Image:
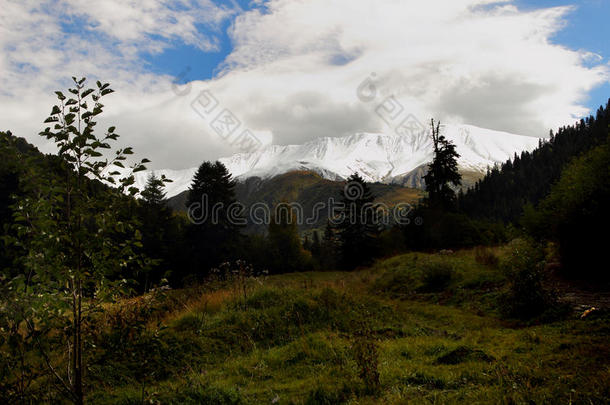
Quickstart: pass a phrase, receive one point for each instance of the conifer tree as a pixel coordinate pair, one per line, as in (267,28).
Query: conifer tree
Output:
(214,226)
(159,232)
(442,172)
(153,193)
(358,226)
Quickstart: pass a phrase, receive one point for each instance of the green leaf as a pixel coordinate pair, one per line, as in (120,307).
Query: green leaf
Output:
(86,93)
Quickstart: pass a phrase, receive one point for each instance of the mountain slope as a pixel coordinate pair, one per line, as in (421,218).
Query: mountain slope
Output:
(305,188)
(385,158)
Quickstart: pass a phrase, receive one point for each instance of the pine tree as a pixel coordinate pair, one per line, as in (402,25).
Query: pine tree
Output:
(159,232)
(359,227)
(153,193)
(214,227)
(442,172)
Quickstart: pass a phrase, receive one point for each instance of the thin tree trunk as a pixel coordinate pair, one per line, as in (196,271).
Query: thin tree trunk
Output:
(78,349)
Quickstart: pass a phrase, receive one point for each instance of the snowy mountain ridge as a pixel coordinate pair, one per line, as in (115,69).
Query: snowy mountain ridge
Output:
(377,157)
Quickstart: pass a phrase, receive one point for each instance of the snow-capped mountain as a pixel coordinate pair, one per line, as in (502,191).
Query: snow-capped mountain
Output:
(386,158)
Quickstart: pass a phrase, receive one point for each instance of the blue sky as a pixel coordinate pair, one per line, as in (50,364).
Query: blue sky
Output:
(587,28)
(291,68)
(186,62)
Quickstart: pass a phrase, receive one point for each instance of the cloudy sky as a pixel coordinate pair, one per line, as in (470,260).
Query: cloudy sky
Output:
(292,70)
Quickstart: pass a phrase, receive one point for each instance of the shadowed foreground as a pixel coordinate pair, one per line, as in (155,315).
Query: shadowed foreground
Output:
(388,334)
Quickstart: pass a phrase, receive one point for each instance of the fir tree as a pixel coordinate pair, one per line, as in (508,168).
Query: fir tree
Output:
(359,227)
(159,232)
(214,226)
(153,193)
(442,172)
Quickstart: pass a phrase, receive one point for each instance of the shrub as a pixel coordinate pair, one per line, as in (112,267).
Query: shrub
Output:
(526,297)
(483,255)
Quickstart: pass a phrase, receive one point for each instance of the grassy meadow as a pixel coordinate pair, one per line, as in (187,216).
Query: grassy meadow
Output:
(412,329)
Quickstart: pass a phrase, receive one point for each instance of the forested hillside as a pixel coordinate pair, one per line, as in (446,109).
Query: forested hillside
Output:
(526,179)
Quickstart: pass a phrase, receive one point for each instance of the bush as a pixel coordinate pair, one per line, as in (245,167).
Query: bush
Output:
(436,276)
(526,297)
(483,255)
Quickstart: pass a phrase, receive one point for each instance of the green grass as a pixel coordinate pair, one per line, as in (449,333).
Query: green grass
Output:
(292,339)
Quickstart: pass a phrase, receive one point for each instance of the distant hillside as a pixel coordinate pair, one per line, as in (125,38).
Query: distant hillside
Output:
(528,177)
(306,188)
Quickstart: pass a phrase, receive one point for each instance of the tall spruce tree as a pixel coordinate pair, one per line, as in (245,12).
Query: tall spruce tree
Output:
(159,232)
(442,171)
(358,226)
(214,228)
(153,193)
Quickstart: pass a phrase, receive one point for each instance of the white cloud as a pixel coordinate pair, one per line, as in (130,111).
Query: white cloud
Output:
(296,66)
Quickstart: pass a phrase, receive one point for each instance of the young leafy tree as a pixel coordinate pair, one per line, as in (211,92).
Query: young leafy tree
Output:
(76,235)
(442,172)
(359,226)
